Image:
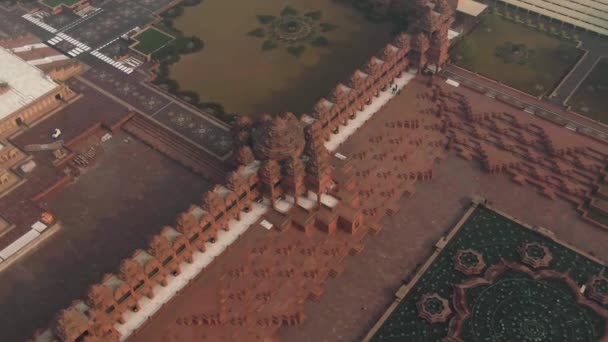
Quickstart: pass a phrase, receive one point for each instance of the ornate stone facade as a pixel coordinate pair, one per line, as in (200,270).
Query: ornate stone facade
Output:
(277,138)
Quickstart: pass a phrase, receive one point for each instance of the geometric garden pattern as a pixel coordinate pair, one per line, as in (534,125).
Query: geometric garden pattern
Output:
(503,282)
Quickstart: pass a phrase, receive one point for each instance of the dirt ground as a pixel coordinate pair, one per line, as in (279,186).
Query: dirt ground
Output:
(108,212)
(354,301)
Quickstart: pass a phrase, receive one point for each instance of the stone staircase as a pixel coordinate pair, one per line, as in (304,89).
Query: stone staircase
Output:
(44,147)
(177,148)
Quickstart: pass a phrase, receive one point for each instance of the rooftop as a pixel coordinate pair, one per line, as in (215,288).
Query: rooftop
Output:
(26,83)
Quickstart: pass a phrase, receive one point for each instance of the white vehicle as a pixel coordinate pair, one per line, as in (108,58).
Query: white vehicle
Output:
(56,134)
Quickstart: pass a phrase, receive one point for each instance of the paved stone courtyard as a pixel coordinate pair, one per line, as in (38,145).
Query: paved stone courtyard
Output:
(176,116)
(112,22)
(195,127)
(354,301)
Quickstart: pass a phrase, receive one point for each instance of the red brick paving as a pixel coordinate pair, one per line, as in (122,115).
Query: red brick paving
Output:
(287,265)
(371,278)
(355,300)
(529,99)
(389,158)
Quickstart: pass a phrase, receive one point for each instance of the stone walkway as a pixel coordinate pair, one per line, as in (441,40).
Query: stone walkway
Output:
(131,91)
(576,77)
(162,295)
(363,116)
(541,108)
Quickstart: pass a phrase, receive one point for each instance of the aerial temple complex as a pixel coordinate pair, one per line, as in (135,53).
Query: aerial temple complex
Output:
(283,162)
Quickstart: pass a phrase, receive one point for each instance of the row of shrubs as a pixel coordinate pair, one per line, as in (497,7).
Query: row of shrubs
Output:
(537,25)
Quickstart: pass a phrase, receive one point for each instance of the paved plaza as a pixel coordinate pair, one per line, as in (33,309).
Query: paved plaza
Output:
(418,155)
(195,126)
(11,23)
(114,21)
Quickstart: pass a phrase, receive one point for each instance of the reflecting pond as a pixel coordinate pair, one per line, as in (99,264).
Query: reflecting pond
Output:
(273,55)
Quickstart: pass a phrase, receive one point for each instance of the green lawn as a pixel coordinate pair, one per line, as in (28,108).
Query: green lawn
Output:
(535,67)
(591,98)
(151,40)
(55,3)
(514,307)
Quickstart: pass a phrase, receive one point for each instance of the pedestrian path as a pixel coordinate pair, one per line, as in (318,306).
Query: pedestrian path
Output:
(36,21)
(80,47)
(335,140)
(131,62)
(163,294)
(128,65)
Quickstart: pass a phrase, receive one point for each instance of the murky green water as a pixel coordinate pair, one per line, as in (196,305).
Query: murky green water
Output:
(233,69)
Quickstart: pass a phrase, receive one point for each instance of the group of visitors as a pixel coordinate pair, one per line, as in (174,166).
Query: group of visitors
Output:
(394,89)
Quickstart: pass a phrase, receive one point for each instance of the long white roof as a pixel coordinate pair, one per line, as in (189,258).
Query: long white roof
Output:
(470,7)
(26,83)
(587,14)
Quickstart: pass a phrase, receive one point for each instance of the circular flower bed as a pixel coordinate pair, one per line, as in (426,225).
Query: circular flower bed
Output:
(292,30)
(433,308)
(598,289)
(536,255)
(514,53)
(469,262)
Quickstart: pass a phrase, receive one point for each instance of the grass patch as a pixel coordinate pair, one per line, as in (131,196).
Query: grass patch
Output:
(289,11)
(515,306)
(55,3)
(591,98)
(547,59)
(266,19)
(258,32)
(151,40)
(326,27)
(320,41)
(296,51)
(268,45)
(316,15)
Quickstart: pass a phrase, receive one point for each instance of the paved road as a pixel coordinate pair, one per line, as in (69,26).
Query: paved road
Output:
(540,108)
